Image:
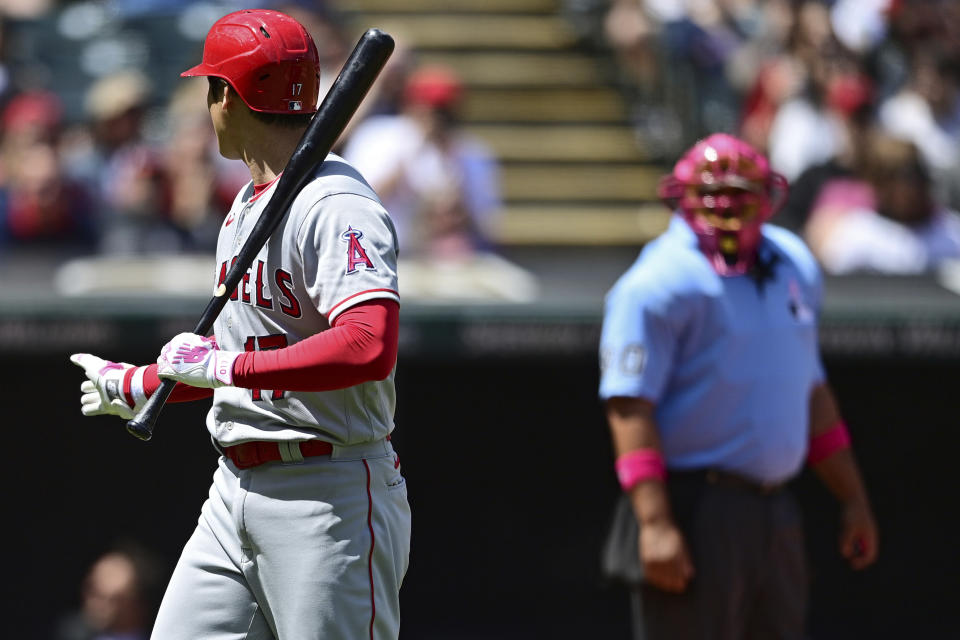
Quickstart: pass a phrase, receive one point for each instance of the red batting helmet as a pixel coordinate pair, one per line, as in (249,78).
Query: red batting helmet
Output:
(725,190)
(267,56)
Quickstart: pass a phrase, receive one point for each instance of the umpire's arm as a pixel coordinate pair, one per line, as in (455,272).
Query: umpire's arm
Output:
(663,551)
(841,474)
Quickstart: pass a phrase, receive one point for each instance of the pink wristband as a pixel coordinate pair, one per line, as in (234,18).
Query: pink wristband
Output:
(824,445)
(634,467)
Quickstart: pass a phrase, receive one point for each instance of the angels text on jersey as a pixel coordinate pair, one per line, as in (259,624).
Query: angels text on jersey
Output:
(255,292)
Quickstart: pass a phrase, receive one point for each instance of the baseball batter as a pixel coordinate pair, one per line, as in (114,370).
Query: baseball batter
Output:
(306,530)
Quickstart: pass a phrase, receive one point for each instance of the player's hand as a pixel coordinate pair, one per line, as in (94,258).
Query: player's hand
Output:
(664,556)
(103,389)
(196,361)
(859,541)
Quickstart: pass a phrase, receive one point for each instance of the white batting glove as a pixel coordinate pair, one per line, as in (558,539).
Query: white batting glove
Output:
(196,361)
(103,389)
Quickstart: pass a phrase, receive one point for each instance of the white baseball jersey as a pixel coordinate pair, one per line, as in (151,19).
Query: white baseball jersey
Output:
(335,248)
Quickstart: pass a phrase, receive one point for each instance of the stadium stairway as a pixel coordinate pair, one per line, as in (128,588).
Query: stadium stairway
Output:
(573,171)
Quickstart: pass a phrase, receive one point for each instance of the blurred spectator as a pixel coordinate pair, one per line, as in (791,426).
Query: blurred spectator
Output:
(677,55)
(122,170)
(162,196)
(6,75)
(198,184)
(842,167)
(809,128)
(860,24)
(701,39)
(772,68)
(887,221)
(794,72)
(440,185)
(912,24)
(146,7)
(386,95)
(39,204)
(32,116)
(634,36)
(120,595)
(26,9)
(927,112)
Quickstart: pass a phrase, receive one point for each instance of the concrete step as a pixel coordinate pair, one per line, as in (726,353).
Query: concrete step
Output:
(573,225)
(595,105)
(475,31)
(448,6)
(518,69)
(561,143)
(580,182)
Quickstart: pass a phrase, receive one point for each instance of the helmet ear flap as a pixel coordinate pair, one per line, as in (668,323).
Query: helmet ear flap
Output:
(670,190)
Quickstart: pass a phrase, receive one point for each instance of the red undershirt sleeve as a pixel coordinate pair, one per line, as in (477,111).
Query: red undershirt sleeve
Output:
(360,346)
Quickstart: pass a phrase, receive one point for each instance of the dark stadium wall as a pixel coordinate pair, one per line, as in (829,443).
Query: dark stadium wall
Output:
(509,471)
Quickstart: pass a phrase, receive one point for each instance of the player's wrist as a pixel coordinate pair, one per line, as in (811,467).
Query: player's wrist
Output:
(134,391)
(222,369)
(127,386)
(138,390)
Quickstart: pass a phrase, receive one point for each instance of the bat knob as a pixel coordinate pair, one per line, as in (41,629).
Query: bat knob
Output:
(139,430)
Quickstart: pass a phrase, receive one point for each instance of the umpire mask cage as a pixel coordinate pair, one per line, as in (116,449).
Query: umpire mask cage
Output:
(725,190)
(267,56)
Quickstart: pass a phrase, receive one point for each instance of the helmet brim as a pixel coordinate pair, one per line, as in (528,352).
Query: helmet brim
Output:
(202,69)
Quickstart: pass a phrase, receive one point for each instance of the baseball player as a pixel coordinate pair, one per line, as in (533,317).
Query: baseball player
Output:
(306,531)
(715,396)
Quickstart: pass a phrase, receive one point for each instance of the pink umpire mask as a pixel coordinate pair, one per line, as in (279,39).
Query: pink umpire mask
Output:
(725,190)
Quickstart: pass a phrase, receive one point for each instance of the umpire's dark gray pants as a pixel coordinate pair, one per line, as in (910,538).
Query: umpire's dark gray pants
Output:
(751,576)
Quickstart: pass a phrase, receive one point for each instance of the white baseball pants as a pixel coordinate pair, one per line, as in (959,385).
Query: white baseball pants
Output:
(295,551)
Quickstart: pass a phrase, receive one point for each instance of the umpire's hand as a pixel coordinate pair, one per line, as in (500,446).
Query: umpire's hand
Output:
(664,555)
(859,542)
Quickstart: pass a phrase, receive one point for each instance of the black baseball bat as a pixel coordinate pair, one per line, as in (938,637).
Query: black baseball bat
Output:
(341,102)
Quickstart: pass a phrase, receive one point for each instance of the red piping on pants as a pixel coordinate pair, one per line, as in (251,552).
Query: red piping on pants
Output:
(373,602)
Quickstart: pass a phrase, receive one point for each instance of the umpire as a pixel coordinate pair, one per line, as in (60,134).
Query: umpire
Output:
(716,397)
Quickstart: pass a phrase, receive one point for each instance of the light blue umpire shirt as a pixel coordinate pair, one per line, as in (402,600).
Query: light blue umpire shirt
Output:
(729,362)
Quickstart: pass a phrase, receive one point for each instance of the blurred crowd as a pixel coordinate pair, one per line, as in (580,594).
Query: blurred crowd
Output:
(136,171)
(856,102)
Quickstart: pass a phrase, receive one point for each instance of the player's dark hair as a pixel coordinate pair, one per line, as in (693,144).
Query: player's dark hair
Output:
(291,120)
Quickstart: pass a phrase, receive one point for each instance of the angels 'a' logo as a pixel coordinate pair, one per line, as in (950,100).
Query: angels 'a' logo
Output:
(356,254)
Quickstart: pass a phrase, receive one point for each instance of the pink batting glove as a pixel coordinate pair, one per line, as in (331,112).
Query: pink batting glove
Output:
(197,361)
